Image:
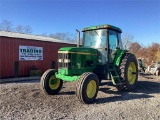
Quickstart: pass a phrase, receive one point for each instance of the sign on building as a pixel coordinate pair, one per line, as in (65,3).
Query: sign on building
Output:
(30,53)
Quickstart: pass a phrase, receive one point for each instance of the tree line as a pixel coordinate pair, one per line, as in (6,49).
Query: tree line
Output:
(65,36)
(150,53)
(6,25)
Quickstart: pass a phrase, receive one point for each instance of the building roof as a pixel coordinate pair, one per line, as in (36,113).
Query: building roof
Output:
(31,37)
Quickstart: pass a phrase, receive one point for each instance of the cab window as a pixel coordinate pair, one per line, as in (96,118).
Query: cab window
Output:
(113,41)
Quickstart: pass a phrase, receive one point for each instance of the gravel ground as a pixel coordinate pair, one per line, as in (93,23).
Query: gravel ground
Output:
(26,101)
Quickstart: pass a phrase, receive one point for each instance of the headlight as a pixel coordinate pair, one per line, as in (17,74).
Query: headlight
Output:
(67,60)
(60,60)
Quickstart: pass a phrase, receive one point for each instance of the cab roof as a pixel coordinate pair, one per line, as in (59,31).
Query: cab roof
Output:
(105,26)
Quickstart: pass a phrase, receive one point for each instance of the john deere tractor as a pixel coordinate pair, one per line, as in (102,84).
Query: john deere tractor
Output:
(100,57)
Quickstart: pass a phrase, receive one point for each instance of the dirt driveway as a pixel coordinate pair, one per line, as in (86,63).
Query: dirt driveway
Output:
(24,100)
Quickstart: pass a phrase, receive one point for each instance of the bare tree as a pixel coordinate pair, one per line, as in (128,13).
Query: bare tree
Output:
(19,29)
(66,37)
(1,27)
(51,35)
(158,55)
(134,47)
(58,35)
(151,53)
(127,40)
(27,29)
(6,26)
(43,34)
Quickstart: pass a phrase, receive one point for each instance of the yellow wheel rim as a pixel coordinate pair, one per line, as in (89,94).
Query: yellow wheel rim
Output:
(91,89)
(132,73)
(54,83)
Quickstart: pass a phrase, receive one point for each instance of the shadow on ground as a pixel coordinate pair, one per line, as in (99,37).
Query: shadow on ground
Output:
(144,89)
(26,81)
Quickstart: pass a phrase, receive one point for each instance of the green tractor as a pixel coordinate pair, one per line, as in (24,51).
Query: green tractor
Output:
(100,57)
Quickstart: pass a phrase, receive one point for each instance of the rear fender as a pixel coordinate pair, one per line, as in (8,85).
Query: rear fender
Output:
(118,57)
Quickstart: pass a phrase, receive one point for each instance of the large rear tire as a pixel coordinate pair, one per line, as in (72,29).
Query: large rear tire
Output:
(49,83)
(128,72)
(87,87)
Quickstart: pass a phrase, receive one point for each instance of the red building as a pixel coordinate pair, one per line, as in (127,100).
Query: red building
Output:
(19,52)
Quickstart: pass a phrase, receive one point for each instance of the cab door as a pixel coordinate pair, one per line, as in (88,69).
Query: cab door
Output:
(112,44)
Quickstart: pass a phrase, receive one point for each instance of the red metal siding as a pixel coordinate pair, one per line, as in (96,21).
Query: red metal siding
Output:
(9,53)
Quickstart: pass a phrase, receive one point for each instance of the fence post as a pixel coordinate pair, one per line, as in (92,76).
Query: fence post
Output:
(16,66)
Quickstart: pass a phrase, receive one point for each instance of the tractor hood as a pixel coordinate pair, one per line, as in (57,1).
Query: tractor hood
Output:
(78,50)
(77,58)
(74,61)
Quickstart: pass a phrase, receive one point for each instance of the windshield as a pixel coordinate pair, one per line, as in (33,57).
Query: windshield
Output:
(95,38)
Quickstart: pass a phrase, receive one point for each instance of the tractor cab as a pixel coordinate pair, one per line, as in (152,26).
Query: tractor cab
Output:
(105,38)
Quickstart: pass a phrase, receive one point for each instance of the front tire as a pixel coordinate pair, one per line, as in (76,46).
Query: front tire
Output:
(87,87)
(49,83)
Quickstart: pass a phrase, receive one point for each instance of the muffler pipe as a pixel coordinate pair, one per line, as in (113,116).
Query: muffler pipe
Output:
(78,41)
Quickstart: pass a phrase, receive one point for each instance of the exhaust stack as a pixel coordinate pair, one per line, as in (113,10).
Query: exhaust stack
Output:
(78,41)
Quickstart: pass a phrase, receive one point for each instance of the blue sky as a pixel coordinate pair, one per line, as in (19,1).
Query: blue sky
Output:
(140,18)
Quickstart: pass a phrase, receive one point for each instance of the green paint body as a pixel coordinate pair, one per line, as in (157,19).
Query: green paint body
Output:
(74,61)
(82,60)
